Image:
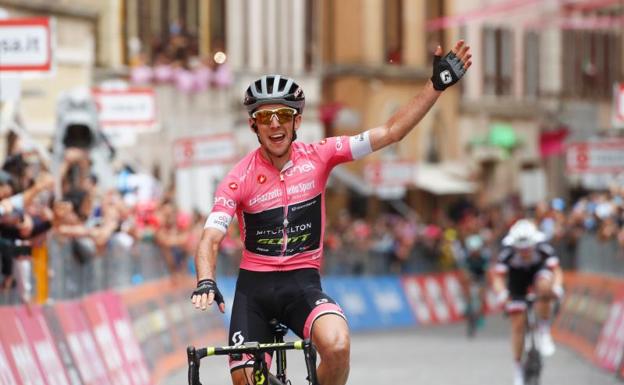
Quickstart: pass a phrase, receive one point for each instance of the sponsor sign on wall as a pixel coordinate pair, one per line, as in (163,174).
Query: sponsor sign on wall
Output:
(26,45)
(596,157)
(618,105)
(204,150)
(129,109)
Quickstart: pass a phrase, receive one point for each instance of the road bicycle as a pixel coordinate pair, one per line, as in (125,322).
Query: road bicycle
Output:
(531,357)
(260,372)
(532,362)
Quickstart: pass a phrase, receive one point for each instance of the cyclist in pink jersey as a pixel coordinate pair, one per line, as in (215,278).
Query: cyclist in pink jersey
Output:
(277,193)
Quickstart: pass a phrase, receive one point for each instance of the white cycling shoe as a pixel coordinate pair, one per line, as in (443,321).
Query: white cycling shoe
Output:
(545,343)
(518,375)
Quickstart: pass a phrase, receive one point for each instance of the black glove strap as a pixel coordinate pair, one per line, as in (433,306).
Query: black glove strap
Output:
(205,286)
(447,70)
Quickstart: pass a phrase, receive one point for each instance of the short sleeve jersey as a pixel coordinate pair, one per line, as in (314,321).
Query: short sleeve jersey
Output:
(544,257)
(281,213)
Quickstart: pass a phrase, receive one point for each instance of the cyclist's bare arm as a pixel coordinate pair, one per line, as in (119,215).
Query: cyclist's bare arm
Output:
(558,276)
(498,281)
(402,122)
(206,263)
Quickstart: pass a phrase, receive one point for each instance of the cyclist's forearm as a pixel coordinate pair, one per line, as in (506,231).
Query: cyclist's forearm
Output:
(498,283)
(206,255)
(405,119)
(558,276)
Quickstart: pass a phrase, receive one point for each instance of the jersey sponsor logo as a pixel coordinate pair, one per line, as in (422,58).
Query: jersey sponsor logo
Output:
(300,188)
(225,202)
(280,241)
(338,143)
(233,186)
(268,233)
(300,169)
(219,220)
(262,178)
(265,197)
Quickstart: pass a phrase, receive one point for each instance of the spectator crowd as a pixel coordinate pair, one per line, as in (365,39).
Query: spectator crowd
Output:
(41,205)
(66,206)
(176,61)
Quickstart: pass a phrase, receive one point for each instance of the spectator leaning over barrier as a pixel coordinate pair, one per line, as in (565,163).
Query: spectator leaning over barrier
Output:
(21,219)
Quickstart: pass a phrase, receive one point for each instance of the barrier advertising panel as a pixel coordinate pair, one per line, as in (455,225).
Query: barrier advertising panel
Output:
(81,343)
(95,310)
(43,346)
(20,355)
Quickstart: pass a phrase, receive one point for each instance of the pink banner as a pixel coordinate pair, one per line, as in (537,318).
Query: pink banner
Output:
(43,345)
(103,325)
(81,343)
(20,355)
(611,342)
(122,327)
(7,377)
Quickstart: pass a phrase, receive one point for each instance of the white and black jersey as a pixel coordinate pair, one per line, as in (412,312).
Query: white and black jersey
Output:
(522,273)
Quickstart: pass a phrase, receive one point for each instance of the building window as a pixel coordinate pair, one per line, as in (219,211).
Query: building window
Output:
(435,10)
(161,28)
(497,61)
(531,64)
(591,63)
(393,29)
(217,25)
(311,39)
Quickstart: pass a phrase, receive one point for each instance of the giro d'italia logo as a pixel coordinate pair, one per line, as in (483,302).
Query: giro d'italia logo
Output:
(261,179)
(446,77)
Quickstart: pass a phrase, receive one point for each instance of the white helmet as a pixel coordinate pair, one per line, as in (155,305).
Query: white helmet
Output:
(523,234)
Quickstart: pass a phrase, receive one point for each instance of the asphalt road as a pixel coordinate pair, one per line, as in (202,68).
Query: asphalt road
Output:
(440,355)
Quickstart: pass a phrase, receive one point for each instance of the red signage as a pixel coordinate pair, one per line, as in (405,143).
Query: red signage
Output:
(597,157)
(204,150)
(126,108)
(25,45)
(618,105)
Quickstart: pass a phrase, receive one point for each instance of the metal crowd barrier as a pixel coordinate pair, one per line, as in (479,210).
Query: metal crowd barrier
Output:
(120,265)
(599,256)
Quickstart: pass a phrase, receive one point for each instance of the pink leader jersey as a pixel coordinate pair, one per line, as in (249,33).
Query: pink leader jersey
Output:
(281,214)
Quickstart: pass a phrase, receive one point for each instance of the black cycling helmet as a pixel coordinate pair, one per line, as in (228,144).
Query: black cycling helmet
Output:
(274,89)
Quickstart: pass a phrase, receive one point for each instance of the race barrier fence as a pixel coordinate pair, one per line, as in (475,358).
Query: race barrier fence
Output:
(138,335)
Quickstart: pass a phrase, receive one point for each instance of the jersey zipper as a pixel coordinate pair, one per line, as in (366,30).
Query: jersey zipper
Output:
(285,223)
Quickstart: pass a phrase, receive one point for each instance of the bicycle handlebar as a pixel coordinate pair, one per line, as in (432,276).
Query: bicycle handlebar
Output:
(195,355)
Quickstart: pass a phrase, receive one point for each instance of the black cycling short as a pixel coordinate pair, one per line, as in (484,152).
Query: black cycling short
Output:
(295,298)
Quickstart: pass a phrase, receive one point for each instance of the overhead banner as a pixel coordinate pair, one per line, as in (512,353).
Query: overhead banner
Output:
(26,45)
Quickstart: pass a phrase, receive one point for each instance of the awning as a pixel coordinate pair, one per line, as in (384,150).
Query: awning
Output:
(351,180)
(440,180)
